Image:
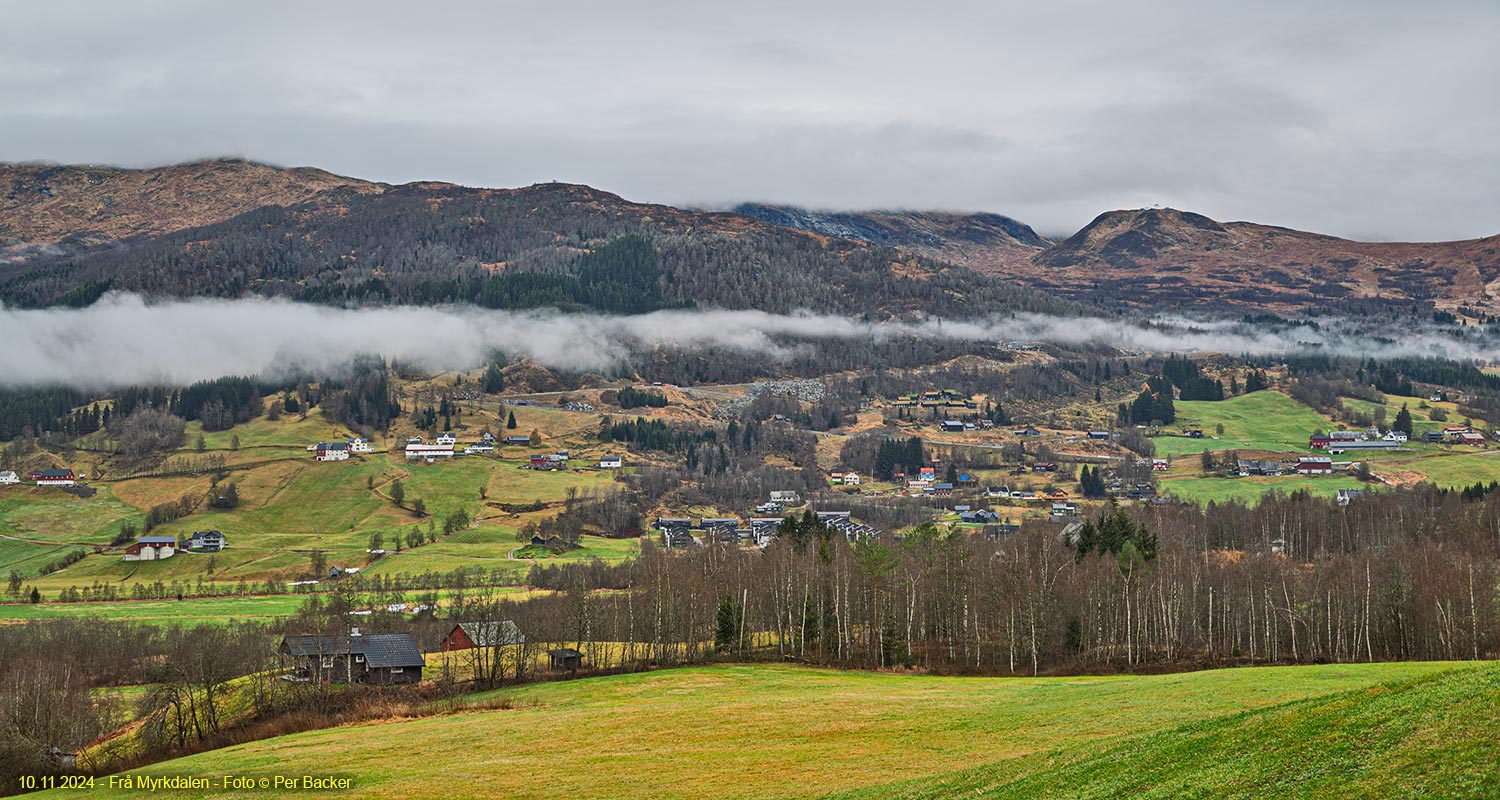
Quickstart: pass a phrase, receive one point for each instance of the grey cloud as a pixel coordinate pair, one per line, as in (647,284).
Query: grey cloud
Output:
(125,340)
(1365,119)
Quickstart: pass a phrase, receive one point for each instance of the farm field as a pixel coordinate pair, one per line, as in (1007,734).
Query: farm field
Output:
(775,731)
(1420,417)
(188,611)
(1264,420)
(1427,736)
(1249,490)
(191,610)
(291,505)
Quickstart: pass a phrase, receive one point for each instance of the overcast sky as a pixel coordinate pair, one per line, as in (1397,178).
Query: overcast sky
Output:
(1367,119)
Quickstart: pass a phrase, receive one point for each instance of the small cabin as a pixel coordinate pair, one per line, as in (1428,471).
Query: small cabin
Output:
(565,659)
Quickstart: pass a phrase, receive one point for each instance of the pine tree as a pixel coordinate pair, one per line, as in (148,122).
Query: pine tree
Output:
(510,423)
(1403,421)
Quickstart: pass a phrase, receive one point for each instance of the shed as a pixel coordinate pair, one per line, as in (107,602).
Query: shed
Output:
(565,658)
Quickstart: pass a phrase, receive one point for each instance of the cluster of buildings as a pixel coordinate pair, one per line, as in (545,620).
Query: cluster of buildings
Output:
(1338,442)
(947,398)
(682,532)
(549,461)
(42,477)
(445,445)
(158,548)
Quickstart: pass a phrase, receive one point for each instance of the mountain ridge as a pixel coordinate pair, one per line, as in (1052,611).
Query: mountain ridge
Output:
(1143,258)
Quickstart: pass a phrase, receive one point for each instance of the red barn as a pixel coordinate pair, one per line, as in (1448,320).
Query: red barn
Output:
(53,477)
(468,635)
(1318,442)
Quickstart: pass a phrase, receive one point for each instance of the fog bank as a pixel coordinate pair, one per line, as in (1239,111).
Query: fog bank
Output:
(125,340)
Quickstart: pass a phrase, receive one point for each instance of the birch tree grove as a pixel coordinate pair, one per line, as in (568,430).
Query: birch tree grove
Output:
(1391,577)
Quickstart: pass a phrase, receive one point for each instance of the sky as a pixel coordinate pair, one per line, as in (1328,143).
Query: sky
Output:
(1366,119)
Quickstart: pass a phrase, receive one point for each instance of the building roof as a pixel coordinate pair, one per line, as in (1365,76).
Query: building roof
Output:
(564,652)
(55,473)
(380,650)
(489,634)
(157,540)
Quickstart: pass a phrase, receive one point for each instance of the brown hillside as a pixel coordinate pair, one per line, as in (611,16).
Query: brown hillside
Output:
(1163,256)
(42,204)
(983,242)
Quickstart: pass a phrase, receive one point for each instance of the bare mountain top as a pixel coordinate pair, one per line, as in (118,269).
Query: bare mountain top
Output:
(983,242)
(1152,258)
(46,204)
(1162,256)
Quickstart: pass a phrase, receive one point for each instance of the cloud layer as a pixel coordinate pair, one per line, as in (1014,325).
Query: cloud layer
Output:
(124,340)
(1362,118)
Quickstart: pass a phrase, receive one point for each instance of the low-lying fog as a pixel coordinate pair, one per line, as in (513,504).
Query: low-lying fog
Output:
(123,339)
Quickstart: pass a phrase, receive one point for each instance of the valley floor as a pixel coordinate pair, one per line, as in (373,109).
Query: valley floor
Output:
(771,731)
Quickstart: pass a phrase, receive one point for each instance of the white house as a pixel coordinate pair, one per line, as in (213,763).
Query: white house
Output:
(447,438)
(207,541)
(429,451)
(7,478)
(786,497)
(333,451)
(851,479)
(152,548)
(358,445)
(611,462)
(1395,436)
(480,447)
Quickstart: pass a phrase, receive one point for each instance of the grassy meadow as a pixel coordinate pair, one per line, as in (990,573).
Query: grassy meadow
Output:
(291,505)
(1264,420)
(772,731)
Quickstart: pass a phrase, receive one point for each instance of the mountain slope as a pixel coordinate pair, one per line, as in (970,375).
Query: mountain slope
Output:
(1156,257)
(983,242)
(508,248)
(43,204)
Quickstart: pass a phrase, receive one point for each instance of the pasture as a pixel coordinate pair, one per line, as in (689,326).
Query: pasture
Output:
(1264,420)
(773,731)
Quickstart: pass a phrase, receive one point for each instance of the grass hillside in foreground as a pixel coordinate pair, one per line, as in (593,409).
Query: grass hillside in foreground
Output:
(1428,736)
(762,730)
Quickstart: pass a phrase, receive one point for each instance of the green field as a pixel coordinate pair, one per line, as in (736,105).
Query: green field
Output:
(188,611)
(1429,736)
(773,731)
(290,506)
(1264,420)
(1249,490)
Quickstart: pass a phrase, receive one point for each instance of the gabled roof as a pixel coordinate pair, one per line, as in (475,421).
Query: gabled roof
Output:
(489,634)
(55,473)
(155,540)
(380,650)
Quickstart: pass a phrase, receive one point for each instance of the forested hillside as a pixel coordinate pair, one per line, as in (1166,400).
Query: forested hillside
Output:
(522,248)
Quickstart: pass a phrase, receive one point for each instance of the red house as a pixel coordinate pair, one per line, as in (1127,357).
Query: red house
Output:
(54,477)
(469,635)
(1318,442)
(1314,465)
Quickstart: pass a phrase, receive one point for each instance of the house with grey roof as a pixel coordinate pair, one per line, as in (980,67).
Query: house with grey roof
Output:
(375,658)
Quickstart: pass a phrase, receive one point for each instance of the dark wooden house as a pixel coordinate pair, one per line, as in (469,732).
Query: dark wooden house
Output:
(377,658)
